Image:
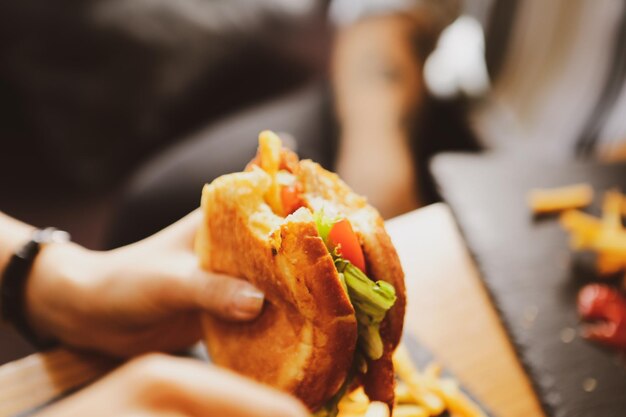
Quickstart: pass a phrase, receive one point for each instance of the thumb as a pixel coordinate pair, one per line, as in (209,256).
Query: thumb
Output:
(221,295)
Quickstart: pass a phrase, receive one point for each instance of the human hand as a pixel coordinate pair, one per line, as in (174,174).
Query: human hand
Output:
(159,386)
(143,297)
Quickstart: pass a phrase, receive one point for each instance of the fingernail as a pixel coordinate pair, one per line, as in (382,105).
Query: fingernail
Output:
(247,302)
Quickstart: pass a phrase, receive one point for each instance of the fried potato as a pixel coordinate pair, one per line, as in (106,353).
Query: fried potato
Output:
(377,409)
(551,200)
(604,236)
(410,411)
(417,394)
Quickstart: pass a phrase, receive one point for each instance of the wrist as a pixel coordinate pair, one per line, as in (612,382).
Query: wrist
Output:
(54,290)
(14,235)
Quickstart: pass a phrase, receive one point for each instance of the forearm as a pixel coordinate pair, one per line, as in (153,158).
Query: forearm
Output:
(13,234)
(378,89)
(380,165)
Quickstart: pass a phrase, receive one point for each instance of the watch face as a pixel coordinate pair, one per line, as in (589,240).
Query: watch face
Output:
(51,235)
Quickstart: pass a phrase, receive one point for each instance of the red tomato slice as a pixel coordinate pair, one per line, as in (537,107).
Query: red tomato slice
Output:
(290,196)
(342,236)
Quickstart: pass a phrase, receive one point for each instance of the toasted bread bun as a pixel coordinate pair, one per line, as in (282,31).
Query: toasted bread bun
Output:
(304,340)
(324,189)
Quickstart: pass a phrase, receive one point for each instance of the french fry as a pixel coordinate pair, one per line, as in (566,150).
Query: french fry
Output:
(432,370)
(358,395)
(584,228)
(269,148)
(410,411)
(354,403)
(377,409)
(542,201)
(352,407)
(610,263)
(403,395)
(447,390)
(425,397)
(611,242)
(605,236)
(623,205)
(612,210)
(456,401)
(415,382)
(417,394)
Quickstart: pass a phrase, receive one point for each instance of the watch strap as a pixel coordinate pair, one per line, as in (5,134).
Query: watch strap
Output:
(15,278)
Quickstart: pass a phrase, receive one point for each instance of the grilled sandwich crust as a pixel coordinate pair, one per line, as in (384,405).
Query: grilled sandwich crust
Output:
(305,338)
(323,189)
(303,342)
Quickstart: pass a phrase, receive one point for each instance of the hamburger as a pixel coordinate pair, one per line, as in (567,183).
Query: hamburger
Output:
(333,284)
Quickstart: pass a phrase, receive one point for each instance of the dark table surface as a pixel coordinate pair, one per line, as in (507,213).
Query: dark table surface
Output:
(531,275)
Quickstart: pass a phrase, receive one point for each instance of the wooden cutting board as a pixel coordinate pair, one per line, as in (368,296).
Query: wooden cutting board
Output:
(532,277)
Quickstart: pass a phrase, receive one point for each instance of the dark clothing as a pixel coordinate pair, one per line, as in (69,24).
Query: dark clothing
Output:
(169,186)
(95,86)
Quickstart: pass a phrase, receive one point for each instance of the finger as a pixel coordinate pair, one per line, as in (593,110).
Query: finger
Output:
(212,391)
(189,287)
(226,296)
(226,391)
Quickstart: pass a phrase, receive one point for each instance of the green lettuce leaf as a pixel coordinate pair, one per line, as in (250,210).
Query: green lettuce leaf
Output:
(324,224)
(371,301)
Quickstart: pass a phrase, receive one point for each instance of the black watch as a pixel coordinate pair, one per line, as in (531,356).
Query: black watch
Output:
(12,290)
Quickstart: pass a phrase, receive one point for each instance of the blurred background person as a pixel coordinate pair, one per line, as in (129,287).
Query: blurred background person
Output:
(537,79)
(542,80)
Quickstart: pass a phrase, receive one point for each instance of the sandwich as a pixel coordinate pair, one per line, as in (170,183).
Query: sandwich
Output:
(333,283)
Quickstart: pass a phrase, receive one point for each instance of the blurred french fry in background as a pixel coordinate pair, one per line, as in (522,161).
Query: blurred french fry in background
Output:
(605,236)
(623,205)
(584,228)
(612,210)
(552,200)
(610,263)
